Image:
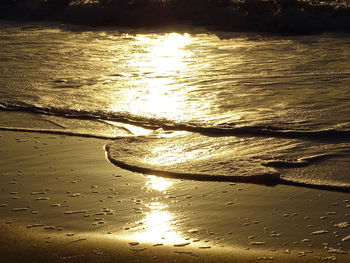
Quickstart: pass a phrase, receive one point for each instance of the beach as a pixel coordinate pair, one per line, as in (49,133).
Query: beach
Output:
(62,201)
(175,143)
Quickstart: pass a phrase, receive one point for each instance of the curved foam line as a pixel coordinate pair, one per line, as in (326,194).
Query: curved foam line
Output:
(337,188)
(150,123)
(286,164)
(268,179)
(303,162)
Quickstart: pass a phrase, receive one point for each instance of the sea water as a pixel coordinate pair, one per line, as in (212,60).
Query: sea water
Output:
(187,102)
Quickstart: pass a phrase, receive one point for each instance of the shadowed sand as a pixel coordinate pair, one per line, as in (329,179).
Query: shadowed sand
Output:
(62,201)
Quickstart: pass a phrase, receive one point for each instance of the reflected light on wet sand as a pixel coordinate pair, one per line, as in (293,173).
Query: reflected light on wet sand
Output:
(154,93)
(158,183)
(157,227)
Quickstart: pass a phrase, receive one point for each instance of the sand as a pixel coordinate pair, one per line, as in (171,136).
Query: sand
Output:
(62,201)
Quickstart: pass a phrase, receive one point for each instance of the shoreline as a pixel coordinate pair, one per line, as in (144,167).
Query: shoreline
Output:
(62,201)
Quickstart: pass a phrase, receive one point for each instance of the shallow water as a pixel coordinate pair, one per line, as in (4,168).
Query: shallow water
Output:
(212,105)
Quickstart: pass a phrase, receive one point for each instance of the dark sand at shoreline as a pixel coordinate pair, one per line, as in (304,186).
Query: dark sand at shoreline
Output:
(62,201)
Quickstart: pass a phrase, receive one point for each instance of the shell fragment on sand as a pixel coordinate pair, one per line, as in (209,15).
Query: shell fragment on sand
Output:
(319,232)
(134,243)
(257,243)
(342,224)
(75,212)
(44,198)
(20,209)
(336,251)
(182,244)
(38,193)
(347,238)
(34,225)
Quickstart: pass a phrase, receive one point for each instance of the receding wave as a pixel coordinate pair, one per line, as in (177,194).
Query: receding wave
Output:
(176,156)
(195,157)
(293,16)
(303,162)
(262,155)
(153,123)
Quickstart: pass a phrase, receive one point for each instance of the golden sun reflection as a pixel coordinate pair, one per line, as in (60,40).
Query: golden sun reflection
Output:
(168,53)
(164,61)
(165,54)
(158,183)
(157,227)
(155,90)
(174,154)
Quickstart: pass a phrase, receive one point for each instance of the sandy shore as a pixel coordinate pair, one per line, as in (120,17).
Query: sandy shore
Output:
(62,201)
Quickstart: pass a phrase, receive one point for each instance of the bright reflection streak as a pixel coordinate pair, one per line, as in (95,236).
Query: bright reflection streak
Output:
(154,88)
(157,67)
(158,183)
(167,56)
(164,61)
(172,154)
(157,227)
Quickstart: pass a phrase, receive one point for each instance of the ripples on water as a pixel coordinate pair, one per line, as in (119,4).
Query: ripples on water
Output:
(214,104)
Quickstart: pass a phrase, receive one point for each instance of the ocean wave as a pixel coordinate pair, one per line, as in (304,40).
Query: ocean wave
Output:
(291,16)
(195,158)
(269,178)
(303,162)
(136,154)
(208,153)
(333,135)
(152,123)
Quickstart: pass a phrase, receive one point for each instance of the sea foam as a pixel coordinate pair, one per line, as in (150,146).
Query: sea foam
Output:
(250,159)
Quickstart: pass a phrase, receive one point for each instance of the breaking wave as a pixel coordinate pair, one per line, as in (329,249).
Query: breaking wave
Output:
(231,129)
(250,154)
(288,16)
(187,156)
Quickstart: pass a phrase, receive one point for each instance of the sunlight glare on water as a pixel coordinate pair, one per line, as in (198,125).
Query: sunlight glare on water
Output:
(166,55)
(154,91)
(248,104)
(171,154)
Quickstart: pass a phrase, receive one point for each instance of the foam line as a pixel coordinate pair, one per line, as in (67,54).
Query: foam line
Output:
(150,123)
(268,179)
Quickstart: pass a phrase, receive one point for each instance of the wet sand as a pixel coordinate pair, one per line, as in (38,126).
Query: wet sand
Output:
(62,201)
